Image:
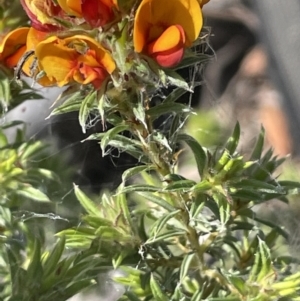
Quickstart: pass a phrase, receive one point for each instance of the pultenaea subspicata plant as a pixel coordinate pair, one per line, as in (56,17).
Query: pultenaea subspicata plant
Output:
(173,238)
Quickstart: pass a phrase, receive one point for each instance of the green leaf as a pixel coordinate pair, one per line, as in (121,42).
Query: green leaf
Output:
(224,208)
(184,185)
(185,266)
(4,92)
(107,232)
(76,287)
(28,150)
(173,78)
(161,140)
(233,244)
(110,134)
(131,146)
(70,104)
(166,108)
(50,264)
(197,205)
(197,295)
(88,205)
(96,221)
(67,107)
(247,195)
(32,193)
(131,296)
(229,298)
(85,109)
(197,150)
(13,265)
(202,187)
(260,186)
(238,283)
(160,223)
(225,157)
(35,269)
(156,290)
(139,188)
(258,149)
(233,141)
(139,113)
(174,95)
(165,236)
(157,200)
(122,203)
(240,225)
(136,170)
(43,173)
(266,265)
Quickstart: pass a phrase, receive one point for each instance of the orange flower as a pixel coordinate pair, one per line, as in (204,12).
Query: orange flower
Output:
(163,31)
(95,12)
(41,13)
(13,46)
(78,58)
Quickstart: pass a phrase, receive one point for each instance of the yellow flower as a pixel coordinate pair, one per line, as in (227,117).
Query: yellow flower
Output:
(164,31)
(13,46)
(78,58)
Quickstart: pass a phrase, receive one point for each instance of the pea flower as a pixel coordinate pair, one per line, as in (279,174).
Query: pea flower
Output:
(41,13)
(163,31)
(95,12)
(77,58)
(13,46)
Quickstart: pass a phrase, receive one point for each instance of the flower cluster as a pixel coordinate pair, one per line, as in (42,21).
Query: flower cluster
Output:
(87,41)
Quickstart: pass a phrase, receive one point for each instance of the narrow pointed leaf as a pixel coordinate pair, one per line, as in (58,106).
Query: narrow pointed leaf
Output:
(157,200)
(156,290)
(159,225)
(110,134)
(88,205)
(233,141)
(51,262)
(85,109)
(198,151)
(258,149)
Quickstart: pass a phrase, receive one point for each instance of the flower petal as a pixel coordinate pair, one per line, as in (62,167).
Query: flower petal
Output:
(169,58)
(41,13)
(71,7)
(102,55)
(97,12)
(11,42)
(173,37)
(12,61)
(34,37)
(186,13)
(56,59)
